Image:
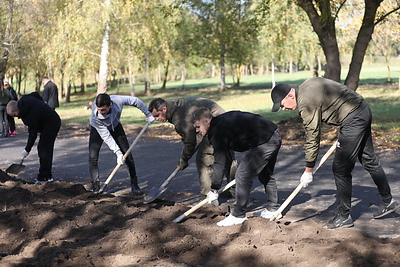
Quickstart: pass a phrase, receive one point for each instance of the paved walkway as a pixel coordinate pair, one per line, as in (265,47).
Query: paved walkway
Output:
(156,159)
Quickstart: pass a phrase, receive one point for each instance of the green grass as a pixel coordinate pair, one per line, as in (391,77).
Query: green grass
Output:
(252,96)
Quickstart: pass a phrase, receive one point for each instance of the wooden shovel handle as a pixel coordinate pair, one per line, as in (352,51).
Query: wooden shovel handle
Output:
(301,185)
(124,157)
(200,204)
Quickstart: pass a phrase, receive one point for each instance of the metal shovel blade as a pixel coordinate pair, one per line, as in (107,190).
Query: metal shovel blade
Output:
(152,195)
(15,168)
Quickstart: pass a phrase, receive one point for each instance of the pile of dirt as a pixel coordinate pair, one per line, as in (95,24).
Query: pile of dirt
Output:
(61,224)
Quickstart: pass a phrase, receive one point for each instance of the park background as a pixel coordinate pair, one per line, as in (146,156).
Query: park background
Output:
(231,51)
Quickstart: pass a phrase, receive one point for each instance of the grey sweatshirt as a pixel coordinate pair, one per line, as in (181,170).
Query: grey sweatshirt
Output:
(106,123)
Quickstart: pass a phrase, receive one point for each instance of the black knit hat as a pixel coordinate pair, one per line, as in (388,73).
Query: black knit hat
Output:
(279,92)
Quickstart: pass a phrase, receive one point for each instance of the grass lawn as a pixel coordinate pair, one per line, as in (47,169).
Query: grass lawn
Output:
(253,96)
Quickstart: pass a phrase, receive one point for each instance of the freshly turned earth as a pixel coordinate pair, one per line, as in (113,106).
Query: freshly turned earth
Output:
(62,224)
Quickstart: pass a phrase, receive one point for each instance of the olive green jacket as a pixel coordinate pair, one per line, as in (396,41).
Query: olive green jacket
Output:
(5,97)
(179,113)
(323,100)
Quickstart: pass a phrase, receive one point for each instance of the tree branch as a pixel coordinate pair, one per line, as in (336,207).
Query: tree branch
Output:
(385,15)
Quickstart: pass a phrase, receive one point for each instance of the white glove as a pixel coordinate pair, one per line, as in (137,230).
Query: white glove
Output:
(24,153)
(150,119)
(306,178)
(212,195)
(120,158)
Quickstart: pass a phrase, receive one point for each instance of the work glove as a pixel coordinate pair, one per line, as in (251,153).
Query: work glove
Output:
(150,119)
(24,153)
(306,178)
(212,196)
(120,158)
(182,164)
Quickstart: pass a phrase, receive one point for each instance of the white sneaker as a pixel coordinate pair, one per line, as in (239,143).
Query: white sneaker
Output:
(231,220)
(269,214)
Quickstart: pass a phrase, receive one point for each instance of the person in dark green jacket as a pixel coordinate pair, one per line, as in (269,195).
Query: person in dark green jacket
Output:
(322,100)
(5,97)
(179,112)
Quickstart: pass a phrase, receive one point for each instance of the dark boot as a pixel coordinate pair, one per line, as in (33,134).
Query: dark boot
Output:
(135,187)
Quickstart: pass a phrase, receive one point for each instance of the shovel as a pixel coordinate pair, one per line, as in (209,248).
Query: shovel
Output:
(155,192)
(301,185)
(123,160)
(201,203)
(16,168)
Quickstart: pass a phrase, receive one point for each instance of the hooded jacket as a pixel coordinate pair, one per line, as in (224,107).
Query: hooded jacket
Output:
(106,123)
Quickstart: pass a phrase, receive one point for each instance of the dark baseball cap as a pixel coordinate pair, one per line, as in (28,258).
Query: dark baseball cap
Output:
(279,92)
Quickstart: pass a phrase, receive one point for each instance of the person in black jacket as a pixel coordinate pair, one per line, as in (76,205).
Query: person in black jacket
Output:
(241,132)
(40,118)
(50,93)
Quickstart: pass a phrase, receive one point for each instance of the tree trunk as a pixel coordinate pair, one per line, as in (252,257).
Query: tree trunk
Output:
(83,83)
(166,68)
(131,76)
(324,26)
(147,89)
(183,75)
(103,72)
(68,93)
(222,86)
(273,74)
(363,38)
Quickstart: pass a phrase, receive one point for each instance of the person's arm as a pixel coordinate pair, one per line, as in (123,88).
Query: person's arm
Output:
(189,144)
(105,135)
(136,102)
(45,94)
(312,124)
(31,139)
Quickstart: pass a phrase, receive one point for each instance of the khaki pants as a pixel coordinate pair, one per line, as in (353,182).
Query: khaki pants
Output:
(204,162)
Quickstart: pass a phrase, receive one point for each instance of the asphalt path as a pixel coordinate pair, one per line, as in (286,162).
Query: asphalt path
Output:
(156,158)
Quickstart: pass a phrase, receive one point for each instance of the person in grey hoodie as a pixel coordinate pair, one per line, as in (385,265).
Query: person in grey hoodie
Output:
(107,127)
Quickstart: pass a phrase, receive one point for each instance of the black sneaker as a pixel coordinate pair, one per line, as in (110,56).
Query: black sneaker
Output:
(340,222)
(136,190)
(386,208)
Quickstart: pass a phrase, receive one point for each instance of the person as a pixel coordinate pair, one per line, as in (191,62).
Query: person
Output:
(106,127)
(245,132)
(5,97)
(11,121)
(322,100)
(50,93)
(39,118)
(179,112)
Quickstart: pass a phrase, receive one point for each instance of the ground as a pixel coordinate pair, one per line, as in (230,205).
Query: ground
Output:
(63,224)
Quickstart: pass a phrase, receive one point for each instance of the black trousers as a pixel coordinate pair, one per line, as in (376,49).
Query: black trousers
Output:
(95,143)
(11,123)
(3,121)
(45,149)
(355,141)
(257,162)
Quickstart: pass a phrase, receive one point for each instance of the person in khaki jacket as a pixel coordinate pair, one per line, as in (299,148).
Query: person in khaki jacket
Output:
(179,112)
(322,100)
